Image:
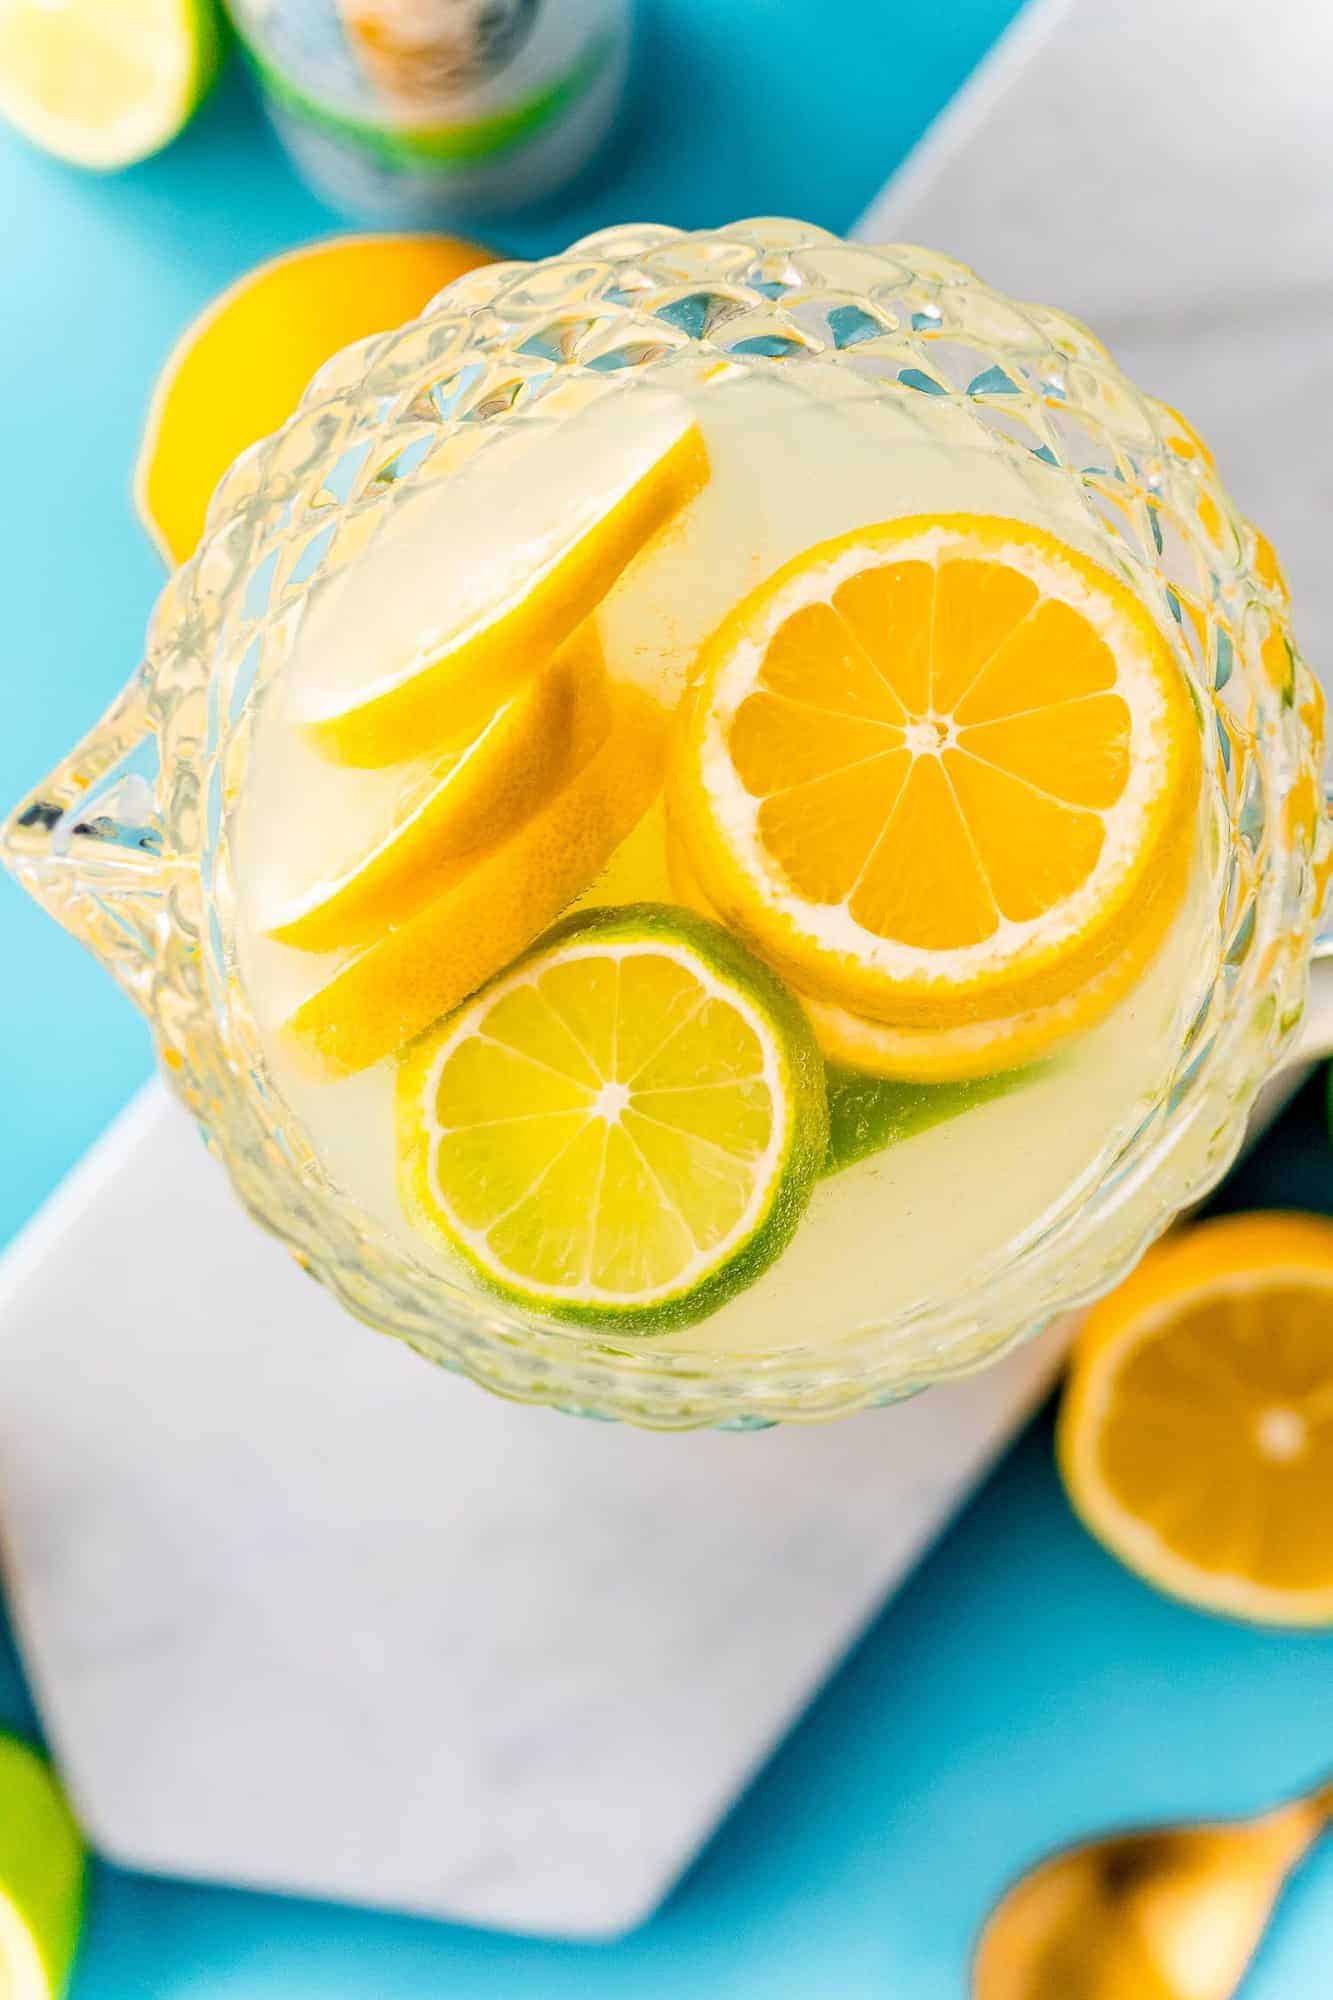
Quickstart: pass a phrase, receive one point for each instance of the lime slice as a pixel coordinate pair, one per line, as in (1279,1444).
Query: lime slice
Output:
(105,82)
(623,1128)
(42,1865)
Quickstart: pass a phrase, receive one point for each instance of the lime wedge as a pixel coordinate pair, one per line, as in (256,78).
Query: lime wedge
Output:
(623,1128)
(42,1865)
(105,82)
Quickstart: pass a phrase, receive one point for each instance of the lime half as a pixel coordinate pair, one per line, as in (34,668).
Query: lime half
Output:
(41,1877)
(105,82)
(623,1128)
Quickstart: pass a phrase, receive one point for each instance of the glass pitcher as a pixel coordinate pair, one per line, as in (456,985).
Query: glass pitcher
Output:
(129,842)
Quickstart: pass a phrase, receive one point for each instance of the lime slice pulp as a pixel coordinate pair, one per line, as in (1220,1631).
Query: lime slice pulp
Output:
(623,1128)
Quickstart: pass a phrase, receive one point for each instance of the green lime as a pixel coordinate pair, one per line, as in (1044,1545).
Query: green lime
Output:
(623,1128)
(868,1113)
(104,83)
(42,1863)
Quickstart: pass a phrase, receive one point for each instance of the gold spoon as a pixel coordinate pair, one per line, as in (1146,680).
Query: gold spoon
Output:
(1170,1913)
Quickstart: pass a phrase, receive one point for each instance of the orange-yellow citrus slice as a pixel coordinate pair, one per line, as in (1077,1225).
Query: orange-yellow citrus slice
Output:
(483,575)
(931,768)
(1010,1041)
(423,967)
(1196,1434)
(369,847)
(973,1049)
(239,369)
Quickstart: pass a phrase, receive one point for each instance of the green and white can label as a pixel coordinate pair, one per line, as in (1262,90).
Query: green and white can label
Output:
(417,110)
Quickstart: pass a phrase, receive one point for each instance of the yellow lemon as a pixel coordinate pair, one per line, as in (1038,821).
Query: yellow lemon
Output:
(975,1049)
(239,370)
(931,770)
(481,576)
(1196,1433)
(453,943)
(369,847)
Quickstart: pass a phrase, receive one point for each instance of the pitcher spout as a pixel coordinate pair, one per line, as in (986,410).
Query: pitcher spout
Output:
(87,843)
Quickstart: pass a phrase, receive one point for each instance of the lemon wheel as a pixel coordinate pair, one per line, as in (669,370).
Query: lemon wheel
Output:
(933,768)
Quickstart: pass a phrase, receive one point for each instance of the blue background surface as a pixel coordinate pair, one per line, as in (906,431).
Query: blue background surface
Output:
(1022,1689)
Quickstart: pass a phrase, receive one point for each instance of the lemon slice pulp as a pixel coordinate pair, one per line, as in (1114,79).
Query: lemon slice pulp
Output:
(1196,1433)
(932,768)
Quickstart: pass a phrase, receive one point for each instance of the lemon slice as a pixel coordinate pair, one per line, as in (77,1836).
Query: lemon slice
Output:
(624,1128)
(976,1050)
(870,1106)
(931,768)
(42,1868)
(487,572)
(369,847)
(1196,1433)
(979,1049)
(105,82)
(424,966)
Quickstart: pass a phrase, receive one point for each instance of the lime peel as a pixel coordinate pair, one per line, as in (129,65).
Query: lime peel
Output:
(869,1113)
(43,1866)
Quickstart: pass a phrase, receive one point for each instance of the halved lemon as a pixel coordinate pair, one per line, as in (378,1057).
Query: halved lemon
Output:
(623,1128)
(105,82)
(42,1871)
(424,966)
(1196,1434)
(488,572)
(369,847)
(931,769)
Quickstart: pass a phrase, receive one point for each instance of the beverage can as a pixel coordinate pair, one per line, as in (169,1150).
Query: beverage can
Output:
(416,111)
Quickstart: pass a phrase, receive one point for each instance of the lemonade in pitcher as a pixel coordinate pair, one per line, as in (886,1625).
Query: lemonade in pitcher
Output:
(719,826)
(724,857)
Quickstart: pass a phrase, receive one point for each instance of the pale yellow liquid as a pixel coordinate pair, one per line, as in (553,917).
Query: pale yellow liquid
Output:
(788,468)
